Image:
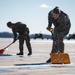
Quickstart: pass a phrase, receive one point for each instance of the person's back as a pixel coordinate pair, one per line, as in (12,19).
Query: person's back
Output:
(20,28)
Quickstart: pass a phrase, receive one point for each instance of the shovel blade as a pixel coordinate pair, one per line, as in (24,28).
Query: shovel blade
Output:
(2,51)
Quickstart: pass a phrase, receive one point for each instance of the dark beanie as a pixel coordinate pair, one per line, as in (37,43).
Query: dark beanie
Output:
(56,10)
(9,24)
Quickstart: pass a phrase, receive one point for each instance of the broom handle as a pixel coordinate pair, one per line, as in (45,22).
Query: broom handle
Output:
(8,45)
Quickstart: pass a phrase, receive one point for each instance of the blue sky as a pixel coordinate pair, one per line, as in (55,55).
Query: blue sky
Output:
(34,13)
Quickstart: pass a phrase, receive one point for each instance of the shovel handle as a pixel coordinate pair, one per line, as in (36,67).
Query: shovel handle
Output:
(8,45)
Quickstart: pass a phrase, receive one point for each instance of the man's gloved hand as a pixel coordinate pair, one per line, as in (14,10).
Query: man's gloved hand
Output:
(50,29)
(14,40)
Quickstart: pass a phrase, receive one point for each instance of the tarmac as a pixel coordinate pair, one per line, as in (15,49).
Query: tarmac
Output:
(12,64)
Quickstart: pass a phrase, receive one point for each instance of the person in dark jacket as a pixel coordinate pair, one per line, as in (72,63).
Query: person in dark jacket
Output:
(62,25)
(23,31)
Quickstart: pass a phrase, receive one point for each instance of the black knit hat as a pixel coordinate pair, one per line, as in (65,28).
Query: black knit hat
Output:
(9,24)
(56,10)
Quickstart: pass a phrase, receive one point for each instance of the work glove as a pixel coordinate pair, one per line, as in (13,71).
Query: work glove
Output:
(50,29)
(14,40)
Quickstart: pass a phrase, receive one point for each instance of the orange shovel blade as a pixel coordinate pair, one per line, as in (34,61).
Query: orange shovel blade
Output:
(2,51)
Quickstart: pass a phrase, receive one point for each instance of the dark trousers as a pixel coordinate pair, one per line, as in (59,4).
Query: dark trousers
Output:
(58,44)
(21,43)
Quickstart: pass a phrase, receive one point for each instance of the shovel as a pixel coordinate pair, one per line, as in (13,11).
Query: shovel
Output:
(2,50)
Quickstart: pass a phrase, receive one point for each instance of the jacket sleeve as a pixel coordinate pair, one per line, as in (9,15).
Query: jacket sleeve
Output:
(67,29)
(15,35)
(65,24)
(26,31)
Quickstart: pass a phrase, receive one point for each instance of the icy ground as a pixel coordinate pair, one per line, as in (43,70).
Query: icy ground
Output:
(11,64)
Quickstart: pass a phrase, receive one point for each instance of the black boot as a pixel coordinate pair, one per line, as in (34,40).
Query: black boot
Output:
(19,53)
(30,53)
(49,60)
